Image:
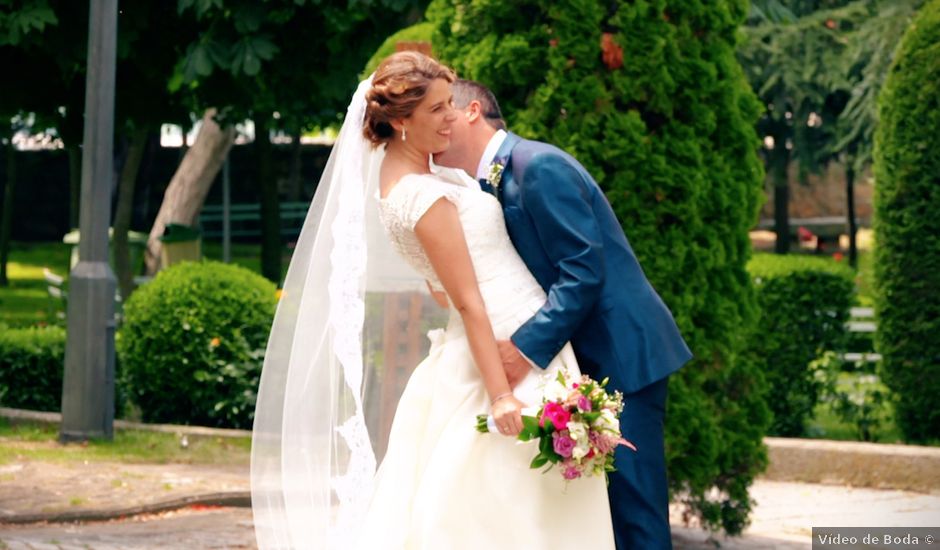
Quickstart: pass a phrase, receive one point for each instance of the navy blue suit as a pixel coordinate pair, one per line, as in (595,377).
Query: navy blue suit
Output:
(598,299)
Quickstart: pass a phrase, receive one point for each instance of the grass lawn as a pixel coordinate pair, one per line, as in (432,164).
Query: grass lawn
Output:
(827,425)
(26,440)
(865,278)
(26,302)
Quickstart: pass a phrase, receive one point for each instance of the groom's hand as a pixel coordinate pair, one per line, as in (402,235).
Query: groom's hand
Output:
(515,364)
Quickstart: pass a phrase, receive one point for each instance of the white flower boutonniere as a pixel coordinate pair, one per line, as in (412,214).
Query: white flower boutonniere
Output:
(495,174)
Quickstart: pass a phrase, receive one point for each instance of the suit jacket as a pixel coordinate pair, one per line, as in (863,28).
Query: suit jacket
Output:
(598,297)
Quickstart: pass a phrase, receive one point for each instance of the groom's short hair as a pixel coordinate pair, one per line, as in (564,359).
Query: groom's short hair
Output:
(466,91)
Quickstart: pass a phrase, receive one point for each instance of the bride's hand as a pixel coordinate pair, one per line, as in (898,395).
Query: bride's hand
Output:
(507,412)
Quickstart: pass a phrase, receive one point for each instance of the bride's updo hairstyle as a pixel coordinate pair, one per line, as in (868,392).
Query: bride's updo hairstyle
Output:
(400,83)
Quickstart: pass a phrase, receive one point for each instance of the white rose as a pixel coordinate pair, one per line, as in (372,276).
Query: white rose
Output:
(581,449)
(608,421)
(578,432)
(554,391)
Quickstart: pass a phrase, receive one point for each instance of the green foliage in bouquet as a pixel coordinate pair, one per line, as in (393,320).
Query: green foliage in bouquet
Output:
(804,303)
(649,97)
(907,227)
(31,363)
(192,344)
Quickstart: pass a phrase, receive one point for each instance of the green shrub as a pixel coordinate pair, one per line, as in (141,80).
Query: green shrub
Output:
(31,365)
(192,344)
(670,137)
(804,305)
(854,393)
(907,227)
(420,32)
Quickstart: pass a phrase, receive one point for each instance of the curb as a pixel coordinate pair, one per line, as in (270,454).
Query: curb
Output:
(874,465)
(233,499)
(56,418)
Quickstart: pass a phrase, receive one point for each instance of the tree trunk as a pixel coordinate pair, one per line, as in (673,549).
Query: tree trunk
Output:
(6,215)
(780,160)
(190,184)
(125,210)
(850,211)
(294,183)
(270,206)
(184,147)
(75,182)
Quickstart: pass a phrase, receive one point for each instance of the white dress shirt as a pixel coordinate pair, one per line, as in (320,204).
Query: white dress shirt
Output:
(490,153)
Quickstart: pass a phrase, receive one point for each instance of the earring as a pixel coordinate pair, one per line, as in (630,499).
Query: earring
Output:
(404,134)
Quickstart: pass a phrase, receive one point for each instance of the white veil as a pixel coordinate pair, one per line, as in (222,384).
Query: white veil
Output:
(348,331)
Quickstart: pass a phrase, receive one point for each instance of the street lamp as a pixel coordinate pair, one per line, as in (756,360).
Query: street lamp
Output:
(88,384)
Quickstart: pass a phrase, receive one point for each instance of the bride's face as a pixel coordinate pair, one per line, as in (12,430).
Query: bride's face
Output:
(428,128)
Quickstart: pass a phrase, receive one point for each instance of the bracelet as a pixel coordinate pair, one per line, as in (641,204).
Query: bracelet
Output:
(498,397)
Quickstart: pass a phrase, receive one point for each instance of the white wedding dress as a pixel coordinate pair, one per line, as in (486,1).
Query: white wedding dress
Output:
(443,485)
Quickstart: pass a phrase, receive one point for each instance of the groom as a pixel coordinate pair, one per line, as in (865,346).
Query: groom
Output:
(598,298)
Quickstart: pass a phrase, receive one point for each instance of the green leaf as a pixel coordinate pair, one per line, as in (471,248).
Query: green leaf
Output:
(248,20)
(263,48)
(539,461)
(251,64)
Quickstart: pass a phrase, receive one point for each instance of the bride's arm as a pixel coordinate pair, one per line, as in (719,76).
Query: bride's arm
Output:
(441,235)
(439,297)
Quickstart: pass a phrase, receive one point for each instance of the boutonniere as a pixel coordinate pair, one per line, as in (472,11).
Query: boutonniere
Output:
(495,174)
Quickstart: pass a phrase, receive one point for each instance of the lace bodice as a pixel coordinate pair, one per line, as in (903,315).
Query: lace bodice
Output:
(496,263)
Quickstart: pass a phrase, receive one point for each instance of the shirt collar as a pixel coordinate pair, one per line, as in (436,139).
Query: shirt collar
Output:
(490,152)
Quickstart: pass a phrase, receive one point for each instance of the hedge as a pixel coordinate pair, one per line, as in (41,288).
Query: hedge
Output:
(907,227)
(192,344)
(805,303)
(31,365)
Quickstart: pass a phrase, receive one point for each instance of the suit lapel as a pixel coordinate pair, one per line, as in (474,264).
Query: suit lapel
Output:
(503,156)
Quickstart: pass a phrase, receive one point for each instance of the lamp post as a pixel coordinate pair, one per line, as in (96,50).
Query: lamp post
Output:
(88,385)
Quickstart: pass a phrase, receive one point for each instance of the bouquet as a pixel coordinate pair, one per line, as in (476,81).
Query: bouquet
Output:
(577,427)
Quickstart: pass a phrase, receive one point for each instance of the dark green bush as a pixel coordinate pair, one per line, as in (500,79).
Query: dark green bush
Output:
(670,137)
(804,305)
(31,364)
(907,227)
(192,344)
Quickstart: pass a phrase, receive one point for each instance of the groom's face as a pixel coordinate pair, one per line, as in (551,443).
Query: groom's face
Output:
(456,156)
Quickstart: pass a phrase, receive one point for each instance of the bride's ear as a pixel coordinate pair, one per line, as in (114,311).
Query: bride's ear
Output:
(398,124)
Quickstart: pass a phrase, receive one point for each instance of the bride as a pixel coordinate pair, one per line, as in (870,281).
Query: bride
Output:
(440,484)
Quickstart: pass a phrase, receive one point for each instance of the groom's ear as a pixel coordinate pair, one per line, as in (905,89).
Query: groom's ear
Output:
(474,111)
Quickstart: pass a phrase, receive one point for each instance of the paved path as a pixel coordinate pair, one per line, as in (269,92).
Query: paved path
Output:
(31,486)
(785,514)
(783,518)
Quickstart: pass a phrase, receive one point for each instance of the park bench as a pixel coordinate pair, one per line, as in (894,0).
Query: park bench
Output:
(817,230)
(58,298)
(245,219)
(861,321)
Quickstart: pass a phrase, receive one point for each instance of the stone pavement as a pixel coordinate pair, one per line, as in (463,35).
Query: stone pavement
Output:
(95,489)
(783,516)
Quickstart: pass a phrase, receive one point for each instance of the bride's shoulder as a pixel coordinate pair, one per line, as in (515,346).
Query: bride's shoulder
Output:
(411,197)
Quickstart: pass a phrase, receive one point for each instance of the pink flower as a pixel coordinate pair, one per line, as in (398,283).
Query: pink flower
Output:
(570,470)
(584,403)
(562,444)
(557,414)
(601,442)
